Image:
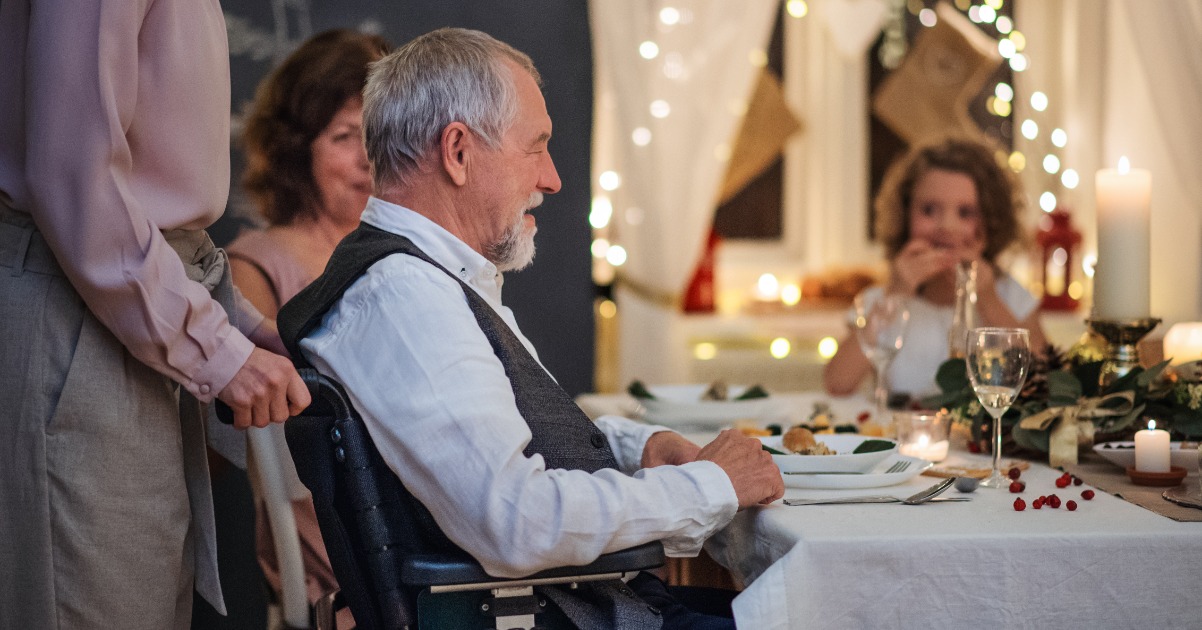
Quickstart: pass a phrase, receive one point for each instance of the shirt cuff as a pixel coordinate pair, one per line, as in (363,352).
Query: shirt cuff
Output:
(717,502)
(219,370)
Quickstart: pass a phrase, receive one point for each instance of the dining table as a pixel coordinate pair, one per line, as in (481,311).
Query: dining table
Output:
(982,563)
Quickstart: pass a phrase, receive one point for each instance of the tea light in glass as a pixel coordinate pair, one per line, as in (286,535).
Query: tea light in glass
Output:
(922,435)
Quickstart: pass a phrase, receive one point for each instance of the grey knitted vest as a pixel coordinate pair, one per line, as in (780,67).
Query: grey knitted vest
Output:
(560,432)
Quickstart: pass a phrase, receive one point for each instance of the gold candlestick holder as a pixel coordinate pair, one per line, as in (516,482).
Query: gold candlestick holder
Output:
(1122,345)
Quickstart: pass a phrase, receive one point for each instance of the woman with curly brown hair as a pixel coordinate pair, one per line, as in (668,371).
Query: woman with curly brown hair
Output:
(943,203)
(308,175)
(307,169)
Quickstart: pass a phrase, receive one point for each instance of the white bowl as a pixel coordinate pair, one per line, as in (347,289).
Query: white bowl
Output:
(842,462)
(681,405)
(1186,458)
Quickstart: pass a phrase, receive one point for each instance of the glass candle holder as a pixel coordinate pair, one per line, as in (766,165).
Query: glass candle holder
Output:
(922,434)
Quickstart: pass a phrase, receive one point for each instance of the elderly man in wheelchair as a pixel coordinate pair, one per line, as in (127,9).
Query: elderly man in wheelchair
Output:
(440,452)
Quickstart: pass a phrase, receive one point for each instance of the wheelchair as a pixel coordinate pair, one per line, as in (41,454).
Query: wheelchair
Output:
(361,511)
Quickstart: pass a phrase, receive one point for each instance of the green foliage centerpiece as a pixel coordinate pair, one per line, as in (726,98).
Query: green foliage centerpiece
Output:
(1062,406)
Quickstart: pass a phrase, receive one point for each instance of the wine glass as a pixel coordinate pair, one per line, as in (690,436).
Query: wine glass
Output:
(880,326)
(998,360)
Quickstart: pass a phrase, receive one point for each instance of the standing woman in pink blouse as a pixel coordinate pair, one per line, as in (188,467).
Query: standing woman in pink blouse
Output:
(308,174)
(116,312)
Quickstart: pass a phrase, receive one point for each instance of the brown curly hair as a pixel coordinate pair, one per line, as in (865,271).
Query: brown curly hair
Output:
(291,108)
(999,196)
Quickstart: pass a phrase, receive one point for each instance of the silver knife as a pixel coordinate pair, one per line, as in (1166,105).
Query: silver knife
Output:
(849,500)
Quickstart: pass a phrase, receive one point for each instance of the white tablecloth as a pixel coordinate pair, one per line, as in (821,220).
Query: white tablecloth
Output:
(981,564)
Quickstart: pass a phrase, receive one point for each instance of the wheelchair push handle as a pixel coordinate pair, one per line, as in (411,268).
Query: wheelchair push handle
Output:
(310,376)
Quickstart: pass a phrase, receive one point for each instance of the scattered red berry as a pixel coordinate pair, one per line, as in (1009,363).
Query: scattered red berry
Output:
(1062,483)
(863,417)
(1087,495)
(1071,505)
(1036,504)
(1077,481)
(1017,486)
(1054,501)
(1014,473)
(1019,505)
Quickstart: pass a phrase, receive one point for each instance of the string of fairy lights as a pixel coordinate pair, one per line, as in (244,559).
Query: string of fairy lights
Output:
(609,255)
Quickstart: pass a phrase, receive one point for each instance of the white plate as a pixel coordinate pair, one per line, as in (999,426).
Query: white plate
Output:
(843,461)
(681,405)
(876,478)
(1186,458)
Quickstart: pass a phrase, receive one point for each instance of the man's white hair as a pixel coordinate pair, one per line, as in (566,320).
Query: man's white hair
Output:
(448,75)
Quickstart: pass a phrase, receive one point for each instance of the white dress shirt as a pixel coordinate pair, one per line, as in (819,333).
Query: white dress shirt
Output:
(405,344)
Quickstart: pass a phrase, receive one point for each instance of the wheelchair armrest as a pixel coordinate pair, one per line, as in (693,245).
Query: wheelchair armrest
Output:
(447,570)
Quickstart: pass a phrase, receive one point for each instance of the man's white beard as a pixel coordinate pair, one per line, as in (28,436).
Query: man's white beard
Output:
(515,250)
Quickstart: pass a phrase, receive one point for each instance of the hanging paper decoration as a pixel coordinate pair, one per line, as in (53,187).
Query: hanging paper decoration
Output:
(930,92)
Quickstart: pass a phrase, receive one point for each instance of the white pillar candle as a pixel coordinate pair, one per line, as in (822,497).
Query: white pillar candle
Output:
(1152,450)
(1122,278)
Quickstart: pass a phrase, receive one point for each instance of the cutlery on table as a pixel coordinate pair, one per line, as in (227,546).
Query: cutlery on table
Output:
(925,496)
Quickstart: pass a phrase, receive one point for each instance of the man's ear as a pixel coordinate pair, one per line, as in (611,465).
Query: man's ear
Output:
(455,147)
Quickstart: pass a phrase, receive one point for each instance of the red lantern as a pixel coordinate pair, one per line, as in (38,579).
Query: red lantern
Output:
(1058,241)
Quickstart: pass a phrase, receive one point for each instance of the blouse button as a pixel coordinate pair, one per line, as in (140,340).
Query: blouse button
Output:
(204,390)
(597,439)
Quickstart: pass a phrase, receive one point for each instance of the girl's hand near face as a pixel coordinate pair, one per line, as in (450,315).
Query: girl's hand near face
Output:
(916,264)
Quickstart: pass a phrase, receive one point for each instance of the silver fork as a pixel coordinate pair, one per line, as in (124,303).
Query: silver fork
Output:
(899,466)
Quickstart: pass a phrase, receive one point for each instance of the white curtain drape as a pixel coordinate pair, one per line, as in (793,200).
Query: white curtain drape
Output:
(678,74)
(1124,78)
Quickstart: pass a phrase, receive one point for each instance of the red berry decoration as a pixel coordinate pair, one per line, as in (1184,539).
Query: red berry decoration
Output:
(1062,482)
(1017,486)
(863,417)
(1054,501)
(1071,505)
(1077,481)
(1019,505)
(1087,495)
(1014,473)
(1036,504)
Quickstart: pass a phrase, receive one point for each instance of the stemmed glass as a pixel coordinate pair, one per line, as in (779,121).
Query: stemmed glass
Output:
(998,360)
(880,329)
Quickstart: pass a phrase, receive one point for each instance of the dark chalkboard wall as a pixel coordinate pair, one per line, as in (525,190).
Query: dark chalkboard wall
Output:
(553,299)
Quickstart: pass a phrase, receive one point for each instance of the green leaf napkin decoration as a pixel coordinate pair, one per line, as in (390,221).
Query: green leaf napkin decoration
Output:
(753,392)
(638,390)
(873,446)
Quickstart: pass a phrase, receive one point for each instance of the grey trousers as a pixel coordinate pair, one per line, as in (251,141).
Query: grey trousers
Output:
(95,520)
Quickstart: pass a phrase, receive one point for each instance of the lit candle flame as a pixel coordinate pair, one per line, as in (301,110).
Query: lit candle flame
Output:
(1124,165)
(1151,425)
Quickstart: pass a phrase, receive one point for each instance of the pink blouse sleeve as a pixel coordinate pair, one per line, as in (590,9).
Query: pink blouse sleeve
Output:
(127,134)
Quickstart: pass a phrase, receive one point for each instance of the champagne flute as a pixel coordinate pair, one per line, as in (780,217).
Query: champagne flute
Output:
(880,329)
(997,360)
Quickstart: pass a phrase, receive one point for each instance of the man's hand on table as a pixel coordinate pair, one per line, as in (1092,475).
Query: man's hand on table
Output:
(668,448)
(754,475)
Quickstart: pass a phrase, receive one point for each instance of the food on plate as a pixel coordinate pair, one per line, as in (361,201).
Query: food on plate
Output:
(801,441)
(751,429)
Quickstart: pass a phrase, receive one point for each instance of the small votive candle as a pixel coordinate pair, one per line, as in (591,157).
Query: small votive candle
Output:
(922,435)
(1152,449)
